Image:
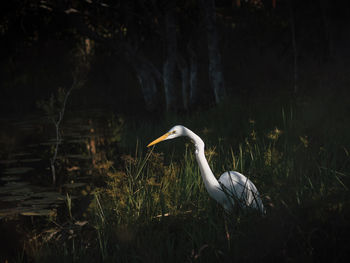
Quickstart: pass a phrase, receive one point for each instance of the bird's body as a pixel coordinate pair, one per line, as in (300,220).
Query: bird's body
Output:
(239,187)
(232,189)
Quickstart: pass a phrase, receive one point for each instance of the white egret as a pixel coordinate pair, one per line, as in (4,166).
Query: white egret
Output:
(231,189)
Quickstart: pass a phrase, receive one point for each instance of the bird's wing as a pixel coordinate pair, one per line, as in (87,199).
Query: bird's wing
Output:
(240,187)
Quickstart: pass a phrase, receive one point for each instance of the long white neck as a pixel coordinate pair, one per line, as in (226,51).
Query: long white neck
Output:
(211,183)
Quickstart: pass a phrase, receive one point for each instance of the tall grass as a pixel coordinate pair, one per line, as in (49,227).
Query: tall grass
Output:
(155,208)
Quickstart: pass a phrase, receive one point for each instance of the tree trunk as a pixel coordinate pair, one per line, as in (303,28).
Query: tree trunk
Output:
(188,70)
(148,87)
(183,68)
(216,75)
(147,74)
(170,62)
(193,92)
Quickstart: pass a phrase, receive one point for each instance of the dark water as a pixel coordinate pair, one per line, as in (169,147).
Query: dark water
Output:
(26,148)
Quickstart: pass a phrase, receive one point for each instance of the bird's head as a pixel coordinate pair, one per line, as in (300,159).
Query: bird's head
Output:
(173,133)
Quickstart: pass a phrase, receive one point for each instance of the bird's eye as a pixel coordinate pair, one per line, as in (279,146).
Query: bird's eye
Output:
(173,132)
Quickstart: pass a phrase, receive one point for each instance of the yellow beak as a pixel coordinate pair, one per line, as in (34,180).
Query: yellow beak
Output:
(161,138)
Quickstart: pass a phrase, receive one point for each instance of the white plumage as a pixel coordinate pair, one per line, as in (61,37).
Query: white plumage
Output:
(232,189)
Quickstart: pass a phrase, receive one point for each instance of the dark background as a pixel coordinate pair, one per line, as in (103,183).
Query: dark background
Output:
(40,43)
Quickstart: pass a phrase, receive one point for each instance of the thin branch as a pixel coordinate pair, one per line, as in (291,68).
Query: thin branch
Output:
(58,135)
